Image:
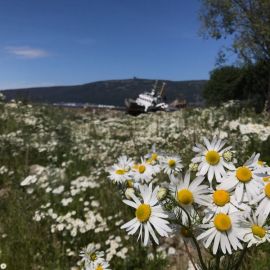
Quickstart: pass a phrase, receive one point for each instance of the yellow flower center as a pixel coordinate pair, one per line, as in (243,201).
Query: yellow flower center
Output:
(171,163)
(185,196)
(266,179)
(243,174)
(267,190)
(260,162)
(185,232)
(120,171)
(258,231)
(135,166)
(221,197)
(143,212)
(222,222)
(212,157)
(99,267)
(93,256)
(154,156)
(141,168)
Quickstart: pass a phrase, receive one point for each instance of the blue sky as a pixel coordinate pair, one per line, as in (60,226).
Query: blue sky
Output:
(63,42)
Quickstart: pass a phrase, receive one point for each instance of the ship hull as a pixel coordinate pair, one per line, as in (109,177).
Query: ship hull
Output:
(134,109)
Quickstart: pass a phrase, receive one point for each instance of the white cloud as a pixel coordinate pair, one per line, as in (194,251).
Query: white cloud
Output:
(27,52)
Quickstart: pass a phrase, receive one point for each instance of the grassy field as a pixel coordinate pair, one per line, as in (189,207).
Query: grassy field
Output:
(55,197)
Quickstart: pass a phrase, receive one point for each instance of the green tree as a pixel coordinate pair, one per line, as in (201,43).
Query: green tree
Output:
(224,84)
(247,22)
(247,83)
(254,85)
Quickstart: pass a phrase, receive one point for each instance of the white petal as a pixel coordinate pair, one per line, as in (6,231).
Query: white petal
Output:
(135,199)
(187,178)
(130,203)
(222,243)
(239,192)
(135,228)
(210,173)
(216,242)
(207,143)
(130,223)
(204,169)
(206,233)
(152,232)
(229,166)
(227,244)
(228,184)
(146,235)
(197,159)
(210,239)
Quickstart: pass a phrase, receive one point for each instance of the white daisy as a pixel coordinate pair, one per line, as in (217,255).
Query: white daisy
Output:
(261,163)
(223,201)
(257,232)
(125,162)
(211,160)
(264,169)
(90,256)
(149,215)
(224,230)
(119,172)
(171,164)
(100,266)
(187,192)
(143,172)
(153,156)
(246,180)
(263,199)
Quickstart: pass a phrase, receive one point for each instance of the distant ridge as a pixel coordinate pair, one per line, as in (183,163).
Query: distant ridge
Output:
(111,92)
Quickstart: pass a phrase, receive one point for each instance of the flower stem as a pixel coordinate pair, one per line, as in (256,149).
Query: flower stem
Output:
(194,239)
(204,267)
(217,261)
(190,256)
(241,257)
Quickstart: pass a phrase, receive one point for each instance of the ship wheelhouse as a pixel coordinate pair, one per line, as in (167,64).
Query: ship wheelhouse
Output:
(147,102)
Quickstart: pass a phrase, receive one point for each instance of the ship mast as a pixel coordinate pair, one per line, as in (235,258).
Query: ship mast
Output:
(155,84)
(155,87)
(162,89)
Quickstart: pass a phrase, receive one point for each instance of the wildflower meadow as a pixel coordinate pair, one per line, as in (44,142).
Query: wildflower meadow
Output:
(100,190)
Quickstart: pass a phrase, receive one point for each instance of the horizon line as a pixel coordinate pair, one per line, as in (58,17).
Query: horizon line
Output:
(106,80)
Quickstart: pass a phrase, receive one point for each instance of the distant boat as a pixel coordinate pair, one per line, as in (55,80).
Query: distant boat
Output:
(148,101)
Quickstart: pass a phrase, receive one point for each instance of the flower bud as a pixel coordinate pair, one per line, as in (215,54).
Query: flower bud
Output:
(228,155)
(130,183)
(129,192)
(162,193)
(193,167)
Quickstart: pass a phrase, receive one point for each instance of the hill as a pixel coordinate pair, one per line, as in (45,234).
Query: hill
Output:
(111,92)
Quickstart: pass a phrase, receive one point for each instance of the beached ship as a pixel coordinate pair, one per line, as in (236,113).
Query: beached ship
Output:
(148,101)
